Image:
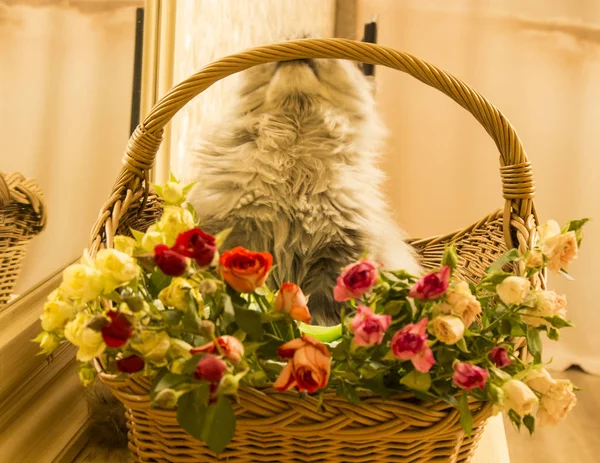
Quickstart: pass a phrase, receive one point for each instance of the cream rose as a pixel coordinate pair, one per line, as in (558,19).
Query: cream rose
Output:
(548,304)
(448,329)
(534,259)
(82,282)
(172,193)
(175,220)
(548,230)
(152,238)
(539,380)
(513,290)
(153,345)
(117,268)
(49,342)
(519,397)
(556,403)
(56,313)
(560,250)
(90,342)
(177,293)
(125,244)
(461,302)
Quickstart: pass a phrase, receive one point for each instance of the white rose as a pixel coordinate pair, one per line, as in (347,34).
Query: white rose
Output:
(117,268)
(56,313)
(152,238)
(539,380)
(462,303)
(513,290)
(519,397)
(82,282)
(556,403)
(153,345)
(448,329)
(175,220)
(125,244)
(90,342)
(49,342)
(172,193)
(548,304)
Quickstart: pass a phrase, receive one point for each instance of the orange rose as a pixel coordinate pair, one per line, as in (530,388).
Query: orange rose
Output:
(308,366)
(291,300)
(230,347)
(245,270)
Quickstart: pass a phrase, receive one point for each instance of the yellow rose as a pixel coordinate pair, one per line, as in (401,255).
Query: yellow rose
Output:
(176,294)
(82,282)
(174,221)
(448,328)
(90,342)
(177,366)
(519,397)
(180,349)
(56,313)
(49,342)
(152,238)
(87,374)
(125,244)
(461,302)
(556,403)
(117,268)
(548,304)
(172,193)
(513,290)
(153,345)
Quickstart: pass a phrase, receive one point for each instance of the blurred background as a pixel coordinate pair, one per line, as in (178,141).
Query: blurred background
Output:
(68,93)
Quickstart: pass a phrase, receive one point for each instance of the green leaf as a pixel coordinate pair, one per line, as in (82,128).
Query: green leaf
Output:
(172,178)
(529,422)
(509,256)
(466,418)
(219,425)
(137,235)
(191,410)
(158,282)
(158,189)
(450,258)
(222,236)
(417,380)
(558,322)
(249,321)
(449,400)
(576,226)
(517,328)
(168,380)
(188,188)
(462,345)
(553,334)
(515,418)
(348,391)
(190,365)
(172,317)
(322,333)
(534,344)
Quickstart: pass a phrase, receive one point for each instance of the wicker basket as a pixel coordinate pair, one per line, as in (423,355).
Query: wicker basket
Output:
(280,427)
(22,216)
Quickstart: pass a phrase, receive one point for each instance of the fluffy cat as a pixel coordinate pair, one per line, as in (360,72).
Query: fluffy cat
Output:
(293,171)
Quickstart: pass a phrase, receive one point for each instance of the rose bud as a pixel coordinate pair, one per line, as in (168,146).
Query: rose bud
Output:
(118,330)
(170,262)
(448,329)
(513,290)
(131,364)
(196,245)
(468,376)
(291,300)
(228,346)
(356,280)
(519,397)
(432,285)
(210,368)
(499,356)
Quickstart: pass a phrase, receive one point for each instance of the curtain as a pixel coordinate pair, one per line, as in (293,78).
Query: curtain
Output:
(65,87)
(539,63)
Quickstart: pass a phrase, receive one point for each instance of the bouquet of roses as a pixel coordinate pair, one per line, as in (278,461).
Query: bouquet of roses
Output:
(166,304)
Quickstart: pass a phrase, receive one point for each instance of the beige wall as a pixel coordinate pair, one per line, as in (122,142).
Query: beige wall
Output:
(65,97)
(539,62)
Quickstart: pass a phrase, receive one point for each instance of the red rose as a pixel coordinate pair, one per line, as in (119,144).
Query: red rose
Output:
(468,376)
(130,364)
(432,285)
(210,368)
(499,356)
(170,262)
(245,270)
(116,332)
(197,245)
(356,279)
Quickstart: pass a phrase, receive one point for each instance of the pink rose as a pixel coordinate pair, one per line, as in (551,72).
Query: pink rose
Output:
(410,343)
(432,285)
(369,328)
(499,356)
(355,280)
(291,300)
(210,368)
(468,376)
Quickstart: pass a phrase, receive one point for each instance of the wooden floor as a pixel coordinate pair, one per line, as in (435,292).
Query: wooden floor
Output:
(576,440)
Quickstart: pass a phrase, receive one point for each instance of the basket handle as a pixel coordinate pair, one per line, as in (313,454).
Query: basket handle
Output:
(515,170)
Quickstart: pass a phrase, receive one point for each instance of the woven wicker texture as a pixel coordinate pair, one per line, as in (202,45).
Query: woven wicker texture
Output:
(22,216)
(276,427)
